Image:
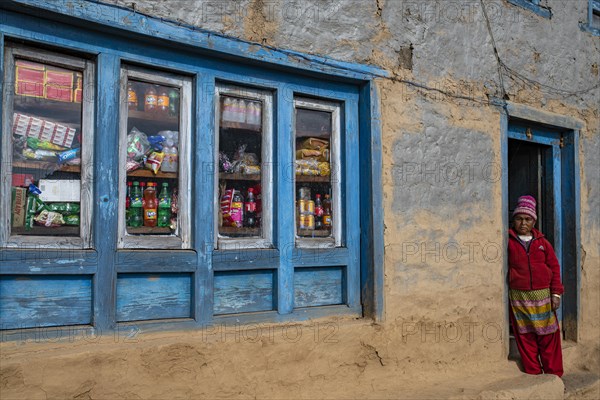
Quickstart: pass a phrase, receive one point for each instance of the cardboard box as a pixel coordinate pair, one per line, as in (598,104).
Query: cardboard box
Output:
(23,180)
(29,80)
(19,203)
(78,92)
(59,85)
(25,125)
(53,190)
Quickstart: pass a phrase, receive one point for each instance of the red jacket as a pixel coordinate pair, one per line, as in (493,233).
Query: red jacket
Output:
(538,269)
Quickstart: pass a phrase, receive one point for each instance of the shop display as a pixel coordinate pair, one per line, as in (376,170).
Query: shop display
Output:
(239,159)
(313,173)
(46,150)
(152,158)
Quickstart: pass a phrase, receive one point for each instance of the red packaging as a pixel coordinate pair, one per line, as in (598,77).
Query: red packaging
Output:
(23,180)
(59,85)
(29,78)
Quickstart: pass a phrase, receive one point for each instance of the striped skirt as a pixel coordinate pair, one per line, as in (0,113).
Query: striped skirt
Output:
(532,310)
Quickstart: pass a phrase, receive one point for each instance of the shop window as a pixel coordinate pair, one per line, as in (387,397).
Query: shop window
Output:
(48,145)
(593,18)
(154,201)
(317,173)
(244,177)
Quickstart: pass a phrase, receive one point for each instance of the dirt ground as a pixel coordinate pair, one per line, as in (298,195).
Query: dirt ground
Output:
(248,364)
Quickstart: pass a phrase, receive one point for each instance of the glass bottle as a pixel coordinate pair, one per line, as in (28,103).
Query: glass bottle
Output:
(327,220)
(250,209)
(162,101)
(318,212)
(150,99)
(136,213)
(150,206)
(132,99)
(164,206)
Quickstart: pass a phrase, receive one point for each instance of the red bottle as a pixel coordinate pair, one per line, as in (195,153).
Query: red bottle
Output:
(151,205)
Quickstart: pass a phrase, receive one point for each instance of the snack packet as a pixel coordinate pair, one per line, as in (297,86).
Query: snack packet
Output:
(49,219)
(64,208)
(154,161)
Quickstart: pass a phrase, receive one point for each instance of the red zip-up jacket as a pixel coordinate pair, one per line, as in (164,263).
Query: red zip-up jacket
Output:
(536,269)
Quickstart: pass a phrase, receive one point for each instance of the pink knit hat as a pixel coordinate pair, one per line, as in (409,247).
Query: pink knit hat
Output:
(526,205)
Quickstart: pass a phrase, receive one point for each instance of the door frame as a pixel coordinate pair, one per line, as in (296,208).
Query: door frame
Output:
(567,192)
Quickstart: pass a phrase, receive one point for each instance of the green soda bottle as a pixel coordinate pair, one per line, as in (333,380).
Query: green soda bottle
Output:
(164,206)
(136,218)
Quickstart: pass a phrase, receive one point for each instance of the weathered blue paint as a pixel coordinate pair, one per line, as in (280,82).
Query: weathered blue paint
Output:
(533,5)
(284,180)
(207,64)
(505,223)
(155,261)
(371,200)
(245,259)
(540,136)
(106,175)
(320,287)
(203,145)
(323,257)
(47,261)
(1,113)
(153,296)
(244,291)
(351,189)
(27,301)
(558,206)
(172,31)
(527,113)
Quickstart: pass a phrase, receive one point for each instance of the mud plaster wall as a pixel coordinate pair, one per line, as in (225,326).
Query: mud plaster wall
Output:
(442,189)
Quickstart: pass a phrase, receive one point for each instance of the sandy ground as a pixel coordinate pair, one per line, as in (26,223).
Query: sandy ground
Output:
(192,365)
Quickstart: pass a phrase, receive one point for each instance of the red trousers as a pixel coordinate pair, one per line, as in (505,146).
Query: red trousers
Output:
(547,347)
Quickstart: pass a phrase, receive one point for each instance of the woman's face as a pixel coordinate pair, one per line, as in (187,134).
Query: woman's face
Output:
(523,224)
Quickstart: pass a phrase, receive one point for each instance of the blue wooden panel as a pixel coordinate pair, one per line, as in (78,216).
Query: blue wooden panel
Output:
(244,291)
(148,296)
(319,286)
(27,301)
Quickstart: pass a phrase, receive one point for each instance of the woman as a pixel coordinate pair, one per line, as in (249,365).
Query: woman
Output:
(534,292)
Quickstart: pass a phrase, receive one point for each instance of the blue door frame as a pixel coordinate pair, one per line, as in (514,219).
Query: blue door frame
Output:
(562,133)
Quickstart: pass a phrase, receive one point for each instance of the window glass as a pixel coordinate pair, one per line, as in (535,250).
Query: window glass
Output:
(152,160)
(47,140)
(243,138)
(313,161)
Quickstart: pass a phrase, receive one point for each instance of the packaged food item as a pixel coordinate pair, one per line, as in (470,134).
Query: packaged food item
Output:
(237,209)
(224,164)
(49,219)
(67,155)
(19,204)
(324,169)
(34,206)
(132,165)
(23,180)
(315,144)
(156,142)
(28,126)
(226,206)
(60,190)
(307,153)
(64,208)
(171,160)
(35,143)
(72,219)
(137,144)
(251,170)
(154,161)
(39,155)
(34,190)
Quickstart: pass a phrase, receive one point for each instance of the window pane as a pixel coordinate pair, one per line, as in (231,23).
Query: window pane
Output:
(314,195)
(152,160)
(240,160)
(47,140)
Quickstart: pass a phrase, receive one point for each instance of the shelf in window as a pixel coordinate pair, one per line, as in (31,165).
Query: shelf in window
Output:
(149,230)
(47,166)
(47,231)
(239,177)
(146,173)
(59,111)
(151,123)
(240,126)
(314,233)
(303,134)
(312,178)
(231,230)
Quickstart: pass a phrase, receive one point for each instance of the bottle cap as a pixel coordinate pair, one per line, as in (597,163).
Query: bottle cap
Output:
(250,190)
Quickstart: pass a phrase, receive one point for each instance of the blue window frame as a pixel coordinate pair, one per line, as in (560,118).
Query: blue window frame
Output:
(534,6)
(593,18)
(199,281)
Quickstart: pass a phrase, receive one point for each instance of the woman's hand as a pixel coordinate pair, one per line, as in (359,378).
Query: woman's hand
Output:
(555,303)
